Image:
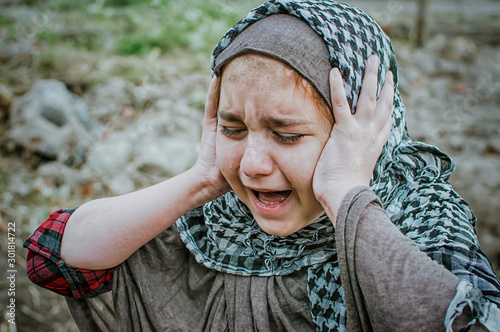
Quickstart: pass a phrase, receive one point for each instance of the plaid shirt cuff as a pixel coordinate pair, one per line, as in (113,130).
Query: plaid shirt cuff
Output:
(47,269)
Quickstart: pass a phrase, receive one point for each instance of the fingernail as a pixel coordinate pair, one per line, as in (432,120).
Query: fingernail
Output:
(373,59)
(389,77)
(336,73)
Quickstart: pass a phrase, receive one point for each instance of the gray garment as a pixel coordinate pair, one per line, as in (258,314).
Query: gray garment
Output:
(161,287)
(389,285)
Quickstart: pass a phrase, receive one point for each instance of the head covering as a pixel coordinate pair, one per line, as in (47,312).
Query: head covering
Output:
(290,40)
(410,178)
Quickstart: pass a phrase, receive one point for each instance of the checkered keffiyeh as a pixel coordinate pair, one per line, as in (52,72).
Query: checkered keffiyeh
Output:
(410,178)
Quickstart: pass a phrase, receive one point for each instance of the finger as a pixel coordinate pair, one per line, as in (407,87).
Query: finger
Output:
(385,101)
(211,104)
(385,132)
(341,109)
(367,99)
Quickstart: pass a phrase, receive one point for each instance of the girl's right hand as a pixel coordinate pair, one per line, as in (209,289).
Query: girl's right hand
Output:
(206,164)
(356,140)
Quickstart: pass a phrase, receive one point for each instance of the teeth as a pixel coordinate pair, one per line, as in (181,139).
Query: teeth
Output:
(272,198)
(271,203)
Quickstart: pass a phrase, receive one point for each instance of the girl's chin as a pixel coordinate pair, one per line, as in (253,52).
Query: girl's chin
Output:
(278,227)
(287,225)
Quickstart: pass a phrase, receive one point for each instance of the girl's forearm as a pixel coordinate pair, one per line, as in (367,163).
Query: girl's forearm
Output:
(105,232)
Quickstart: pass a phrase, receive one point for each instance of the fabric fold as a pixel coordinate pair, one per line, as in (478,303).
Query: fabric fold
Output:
(377,261)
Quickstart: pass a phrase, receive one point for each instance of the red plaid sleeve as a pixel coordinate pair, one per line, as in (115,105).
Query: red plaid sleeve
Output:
(47,269)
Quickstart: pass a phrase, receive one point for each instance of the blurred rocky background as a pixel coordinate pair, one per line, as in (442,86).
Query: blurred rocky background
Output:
(104,97)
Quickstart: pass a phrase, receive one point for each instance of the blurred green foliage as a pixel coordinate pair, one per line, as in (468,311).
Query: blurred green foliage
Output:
(5,19)
(126,27)
(192,24)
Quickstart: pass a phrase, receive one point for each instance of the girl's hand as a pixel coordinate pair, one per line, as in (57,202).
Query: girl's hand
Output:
(356,140)
(206,164)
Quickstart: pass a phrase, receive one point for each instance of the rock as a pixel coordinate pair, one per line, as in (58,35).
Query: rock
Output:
(170,119)
(146,94)
(121,184)
(424,61)
(155,146)
(5,102)
(165,156)
(493,146)
(448,67)
(110,98)
(461,48)
(481,128)
(52,122)
(19,52)
(111,154)
(64,178)
(58,174)
(456,143)
(438,88)
(19,185)
(435,44)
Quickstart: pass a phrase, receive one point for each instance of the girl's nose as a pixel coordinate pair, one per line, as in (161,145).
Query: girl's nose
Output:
(256,161)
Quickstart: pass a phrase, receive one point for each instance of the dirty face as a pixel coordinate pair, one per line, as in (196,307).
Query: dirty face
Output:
(270,135)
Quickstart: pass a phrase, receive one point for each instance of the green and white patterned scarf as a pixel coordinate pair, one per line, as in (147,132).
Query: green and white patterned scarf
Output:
(410,178)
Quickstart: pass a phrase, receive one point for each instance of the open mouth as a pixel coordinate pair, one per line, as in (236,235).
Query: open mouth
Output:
(272,197)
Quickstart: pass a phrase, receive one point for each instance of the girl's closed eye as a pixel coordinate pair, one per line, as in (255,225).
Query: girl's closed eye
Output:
(288,139)
(228,132)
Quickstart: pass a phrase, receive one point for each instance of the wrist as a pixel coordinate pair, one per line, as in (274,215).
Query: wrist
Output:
(331,198)
(205,188)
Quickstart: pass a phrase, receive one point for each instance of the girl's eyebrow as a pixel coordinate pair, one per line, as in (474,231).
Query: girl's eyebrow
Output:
(268,120)
(283,122)
(229,116)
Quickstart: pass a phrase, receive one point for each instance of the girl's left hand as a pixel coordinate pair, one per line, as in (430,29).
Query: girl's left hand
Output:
(356,140)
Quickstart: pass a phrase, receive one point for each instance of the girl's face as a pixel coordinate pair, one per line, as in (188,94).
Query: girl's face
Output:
(270,136)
